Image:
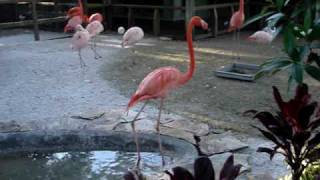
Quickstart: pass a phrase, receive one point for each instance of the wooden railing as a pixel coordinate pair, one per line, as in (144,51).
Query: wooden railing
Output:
(34,22)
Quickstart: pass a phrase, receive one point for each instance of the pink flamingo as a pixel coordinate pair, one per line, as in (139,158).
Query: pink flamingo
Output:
(72,23)
(132,36)
(158,83)
(76,16)
(94,28)
(77,11)
(236,23)
(79,41)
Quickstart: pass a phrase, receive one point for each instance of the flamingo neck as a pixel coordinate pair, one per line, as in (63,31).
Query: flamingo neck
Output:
(241,6)
(188,75)
(81,7)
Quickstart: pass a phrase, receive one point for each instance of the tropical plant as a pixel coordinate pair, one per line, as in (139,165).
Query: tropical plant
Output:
(299,22)
(312,172)
(292,130)
(203,170)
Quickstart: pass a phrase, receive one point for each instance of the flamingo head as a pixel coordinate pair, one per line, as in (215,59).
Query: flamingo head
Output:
(124,43)
(75,11)
(198,21)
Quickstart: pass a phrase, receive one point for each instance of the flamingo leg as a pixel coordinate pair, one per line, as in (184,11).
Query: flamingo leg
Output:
(234,38)
(238,39)
(94,49)
(158,131)
(136,139)
(82,64)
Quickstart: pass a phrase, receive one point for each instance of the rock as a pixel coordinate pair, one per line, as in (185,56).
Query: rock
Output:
(261,165)
(145,125)
(196,128)
(219,143)
(12,126)
(178,133)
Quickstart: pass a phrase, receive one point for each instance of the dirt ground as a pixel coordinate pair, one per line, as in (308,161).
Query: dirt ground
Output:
(218,101)
(42,87)
(42,81)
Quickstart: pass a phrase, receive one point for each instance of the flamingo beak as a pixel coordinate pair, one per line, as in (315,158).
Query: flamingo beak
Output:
(251,38)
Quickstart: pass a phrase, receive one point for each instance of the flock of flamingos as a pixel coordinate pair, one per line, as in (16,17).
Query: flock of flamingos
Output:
(158,83)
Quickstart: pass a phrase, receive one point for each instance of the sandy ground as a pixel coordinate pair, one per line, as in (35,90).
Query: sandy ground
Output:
(218,101)
(42,85)
(42,81)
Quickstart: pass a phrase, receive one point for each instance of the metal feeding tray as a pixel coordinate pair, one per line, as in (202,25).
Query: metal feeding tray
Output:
(240,71)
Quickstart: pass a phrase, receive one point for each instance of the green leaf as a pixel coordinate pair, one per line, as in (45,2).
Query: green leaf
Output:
(312,71)
(307,20)
(297,72)
(290,83)
(273,66)
(315,34)
(279,4)
(256,18)
(303,51)
(289,40)
(287,1)
(260,74)
(275,16)
(297,12)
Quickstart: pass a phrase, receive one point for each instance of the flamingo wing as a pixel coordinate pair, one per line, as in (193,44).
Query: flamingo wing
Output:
(156,84)
(80,39)
(236,21)
(72,23)
(132,36)
(94,28)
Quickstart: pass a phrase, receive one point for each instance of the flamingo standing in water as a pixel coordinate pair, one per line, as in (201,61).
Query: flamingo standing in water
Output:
(158,83)
(79,41)
(94,28)
(236,23)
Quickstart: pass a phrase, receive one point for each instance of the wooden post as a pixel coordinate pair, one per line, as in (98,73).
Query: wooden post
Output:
(85,6)
(35,20)
(156,22)
(216,23)
(109,13)
(57,10)
(130,17)
(189,11)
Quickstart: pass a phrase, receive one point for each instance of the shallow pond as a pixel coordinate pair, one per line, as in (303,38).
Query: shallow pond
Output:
(76,165)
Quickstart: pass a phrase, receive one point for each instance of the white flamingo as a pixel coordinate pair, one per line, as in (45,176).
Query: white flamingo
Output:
(79,41)
(132,36)
(94,28)
(265,36)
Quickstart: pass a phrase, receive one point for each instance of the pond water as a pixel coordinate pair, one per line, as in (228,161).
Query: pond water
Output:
(76,165)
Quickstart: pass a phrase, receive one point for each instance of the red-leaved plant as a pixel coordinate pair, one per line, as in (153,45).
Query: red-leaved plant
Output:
(292,130)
